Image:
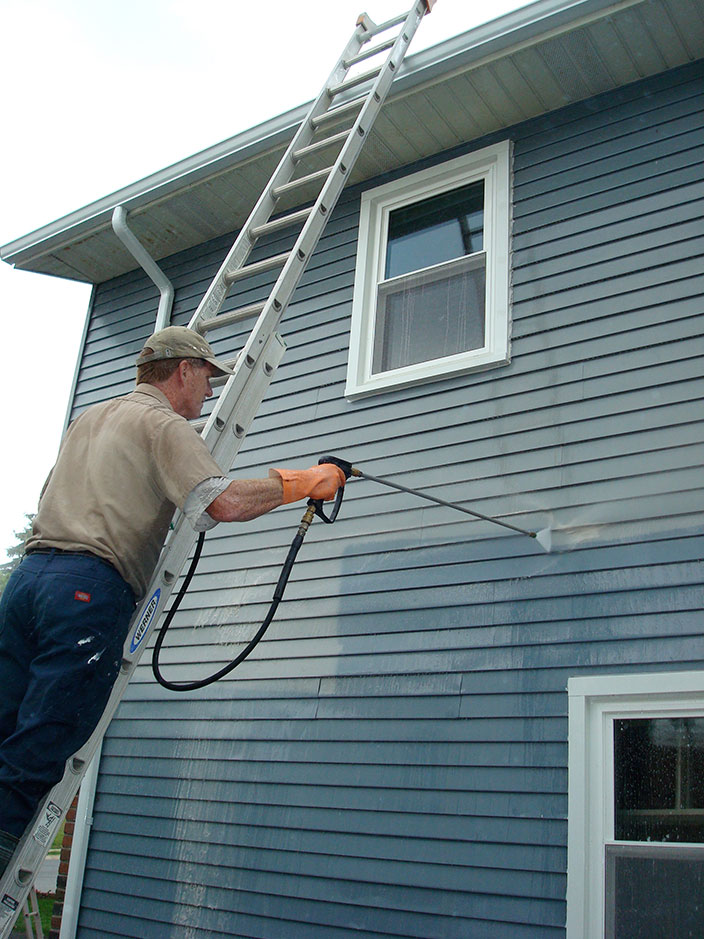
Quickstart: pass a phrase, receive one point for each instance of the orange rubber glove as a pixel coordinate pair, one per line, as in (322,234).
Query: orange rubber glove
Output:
(318,482)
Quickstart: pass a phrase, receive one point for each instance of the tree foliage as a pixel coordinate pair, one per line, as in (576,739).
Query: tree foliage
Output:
(16,552)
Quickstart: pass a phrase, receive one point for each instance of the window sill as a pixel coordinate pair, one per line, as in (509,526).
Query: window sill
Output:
(423,372)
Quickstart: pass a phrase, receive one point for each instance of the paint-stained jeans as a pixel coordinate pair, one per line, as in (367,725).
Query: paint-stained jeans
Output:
(63,622)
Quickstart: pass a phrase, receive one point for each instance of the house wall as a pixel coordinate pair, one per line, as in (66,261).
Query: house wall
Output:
(392,760)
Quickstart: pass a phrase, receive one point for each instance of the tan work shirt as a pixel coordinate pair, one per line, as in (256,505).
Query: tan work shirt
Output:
(122,468)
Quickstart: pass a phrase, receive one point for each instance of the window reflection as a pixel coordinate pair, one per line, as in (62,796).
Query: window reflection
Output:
(441,228)
(659,779)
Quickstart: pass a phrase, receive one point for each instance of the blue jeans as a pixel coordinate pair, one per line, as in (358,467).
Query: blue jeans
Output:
(63,623)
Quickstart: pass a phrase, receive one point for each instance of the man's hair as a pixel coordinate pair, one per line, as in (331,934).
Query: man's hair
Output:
(154,373)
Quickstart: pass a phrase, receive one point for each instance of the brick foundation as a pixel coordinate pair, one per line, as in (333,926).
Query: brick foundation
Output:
(57,911)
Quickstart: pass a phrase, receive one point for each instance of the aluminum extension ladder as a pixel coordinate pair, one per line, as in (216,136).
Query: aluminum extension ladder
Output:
(351,97)
(32,918)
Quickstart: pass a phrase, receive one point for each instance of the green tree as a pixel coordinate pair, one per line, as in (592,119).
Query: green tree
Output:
(16,552)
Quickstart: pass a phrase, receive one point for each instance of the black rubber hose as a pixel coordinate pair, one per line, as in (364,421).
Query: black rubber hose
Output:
(278,594)
(315,507)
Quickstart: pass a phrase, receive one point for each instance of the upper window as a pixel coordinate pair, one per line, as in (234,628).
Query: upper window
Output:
(432,283)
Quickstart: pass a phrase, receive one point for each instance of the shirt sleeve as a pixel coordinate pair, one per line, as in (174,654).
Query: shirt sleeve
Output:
(198,500)
(181,460)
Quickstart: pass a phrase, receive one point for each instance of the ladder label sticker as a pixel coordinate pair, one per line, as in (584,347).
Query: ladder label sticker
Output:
(48,825)
(8,908)
(145,619)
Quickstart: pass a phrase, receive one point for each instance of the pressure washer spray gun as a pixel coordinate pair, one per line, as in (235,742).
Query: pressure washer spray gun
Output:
(313,508)
(543,537)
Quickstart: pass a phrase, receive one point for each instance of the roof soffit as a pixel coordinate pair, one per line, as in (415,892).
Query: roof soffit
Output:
(543,57)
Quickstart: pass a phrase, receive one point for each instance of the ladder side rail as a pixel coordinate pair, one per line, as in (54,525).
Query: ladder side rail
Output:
(215,295)
(316,220)
(233,413)
(311,231)
(279,297)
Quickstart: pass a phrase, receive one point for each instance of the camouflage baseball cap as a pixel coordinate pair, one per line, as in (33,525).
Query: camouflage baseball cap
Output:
(179,342)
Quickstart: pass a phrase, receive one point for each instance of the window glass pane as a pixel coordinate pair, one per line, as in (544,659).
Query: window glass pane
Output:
(659,779)
(434,230)
(654,892)
(430,314)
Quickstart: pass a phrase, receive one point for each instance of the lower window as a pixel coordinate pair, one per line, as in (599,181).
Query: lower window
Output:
(654,894)
(636,807)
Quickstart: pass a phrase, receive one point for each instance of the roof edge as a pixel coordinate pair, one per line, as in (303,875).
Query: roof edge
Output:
(523,26)
(157,185)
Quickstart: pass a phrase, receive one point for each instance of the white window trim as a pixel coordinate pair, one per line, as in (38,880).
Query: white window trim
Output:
(493,165)
(594,705)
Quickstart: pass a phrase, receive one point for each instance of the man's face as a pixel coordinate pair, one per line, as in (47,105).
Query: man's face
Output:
(196,388)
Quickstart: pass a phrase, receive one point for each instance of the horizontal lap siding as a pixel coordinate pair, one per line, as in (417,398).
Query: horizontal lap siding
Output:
(392,760)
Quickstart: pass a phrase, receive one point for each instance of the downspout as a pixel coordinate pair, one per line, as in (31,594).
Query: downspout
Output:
(147,263)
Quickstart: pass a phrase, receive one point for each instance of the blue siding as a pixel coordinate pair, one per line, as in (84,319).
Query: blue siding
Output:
(392,761)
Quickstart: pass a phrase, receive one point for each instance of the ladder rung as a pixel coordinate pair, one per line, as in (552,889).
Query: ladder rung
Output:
(320,145)
(301,181)
(268,264)
(218,380)
(342,111)
(230,364)
(292,219)
(232,316)
(368,53)
(382,27)
(353,82)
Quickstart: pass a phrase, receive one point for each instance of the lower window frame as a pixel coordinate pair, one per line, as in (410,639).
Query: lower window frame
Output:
(594,704)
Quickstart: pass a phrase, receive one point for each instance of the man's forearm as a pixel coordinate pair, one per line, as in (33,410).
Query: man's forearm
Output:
(245,499)
(248,498)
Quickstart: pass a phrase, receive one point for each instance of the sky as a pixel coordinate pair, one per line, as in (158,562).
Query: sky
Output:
(101,93)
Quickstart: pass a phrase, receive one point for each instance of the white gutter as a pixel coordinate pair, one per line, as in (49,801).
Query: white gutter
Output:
(148,264)
(79,849)
(94,217)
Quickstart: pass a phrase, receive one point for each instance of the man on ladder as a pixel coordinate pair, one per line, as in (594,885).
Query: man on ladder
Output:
(349,101)
(123,468)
